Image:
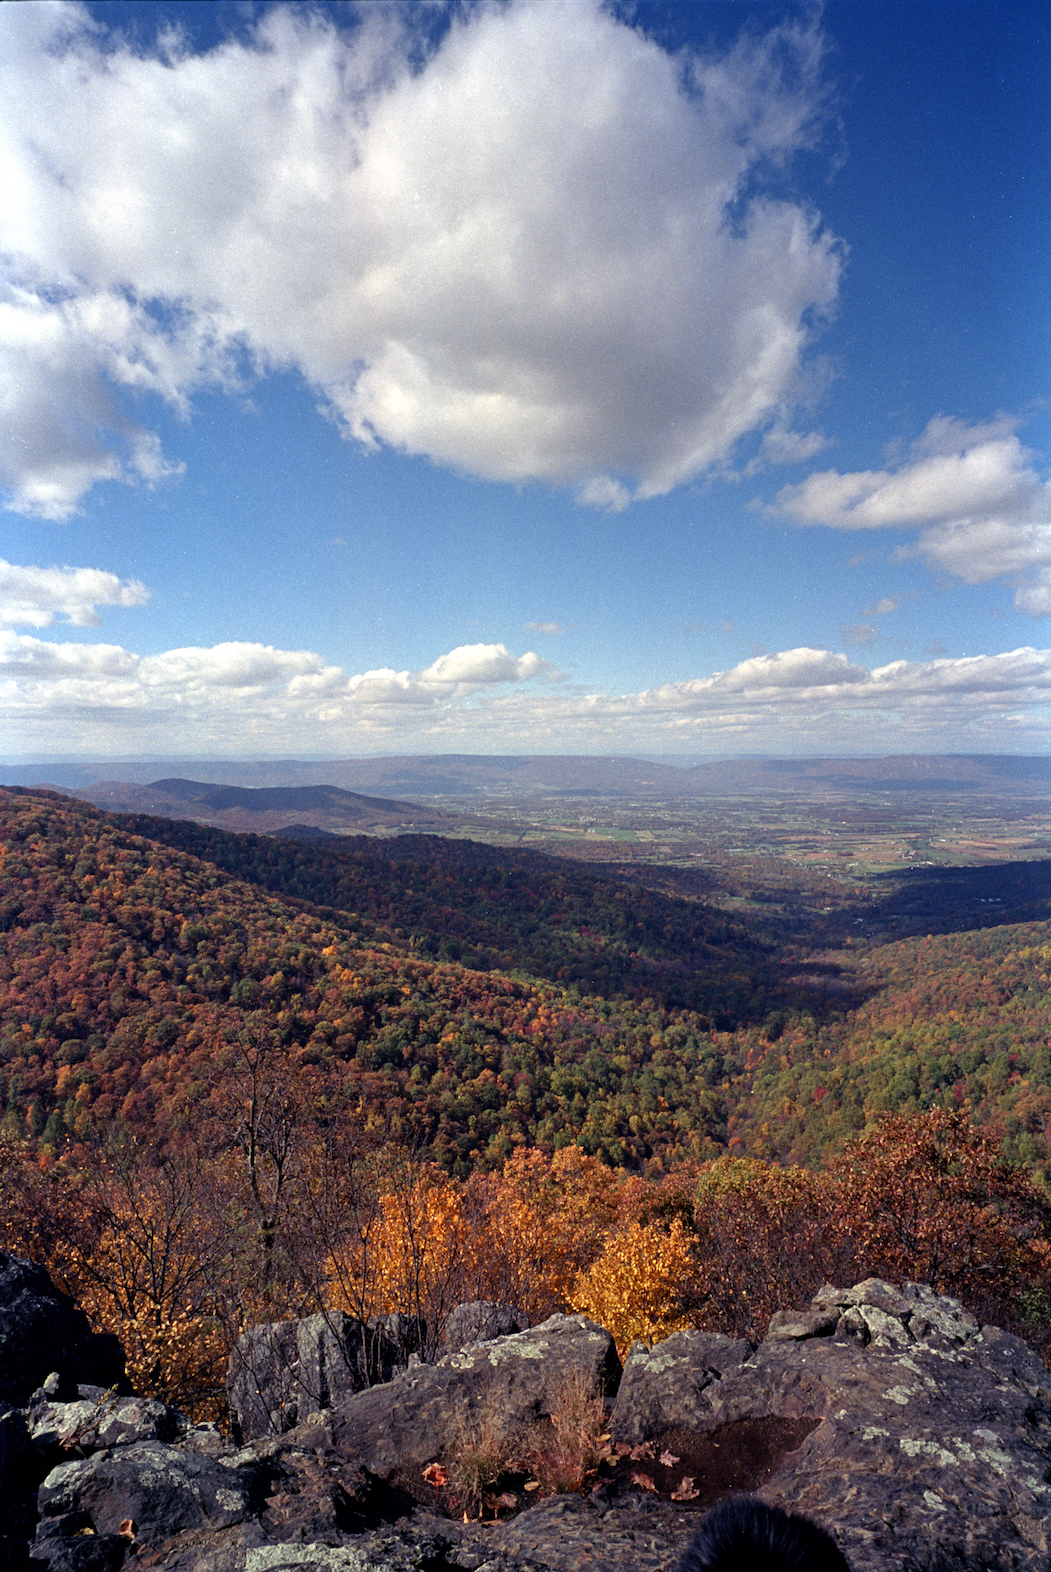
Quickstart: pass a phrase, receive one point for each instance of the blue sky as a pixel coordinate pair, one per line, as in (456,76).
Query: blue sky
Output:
(524,378)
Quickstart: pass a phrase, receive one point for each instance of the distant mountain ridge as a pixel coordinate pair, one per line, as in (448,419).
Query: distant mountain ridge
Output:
(265,809)
(458,774)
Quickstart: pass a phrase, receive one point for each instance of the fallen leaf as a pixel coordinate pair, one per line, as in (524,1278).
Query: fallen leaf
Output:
(532,1484)
(644,1482)
(644,1449)
(435,1475)
(669,1459)
(505,1502)
(686,1491)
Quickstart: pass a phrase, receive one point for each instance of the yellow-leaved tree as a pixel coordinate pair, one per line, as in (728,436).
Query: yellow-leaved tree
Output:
(641,1285)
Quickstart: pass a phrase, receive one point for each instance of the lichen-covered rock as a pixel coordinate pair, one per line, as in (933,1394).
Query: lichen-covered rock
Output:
(662,1387)
(162,1489)
(419,1415)
(933,1446)
(96,1419)
(42,1331)
(919,1439)
(479,1321)
(281,1373)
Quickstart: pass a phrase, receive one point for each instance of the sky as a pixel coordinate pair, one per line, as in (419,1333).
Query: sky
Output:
(530,377)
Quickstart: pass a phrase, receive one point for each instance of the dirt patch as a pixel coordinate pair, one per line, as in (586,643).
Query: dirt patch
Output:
(697,1470)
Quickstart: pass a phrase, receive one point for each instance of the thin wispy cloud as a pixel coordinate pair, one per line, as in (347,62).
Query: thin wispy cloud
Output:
(883,607)
(860,636)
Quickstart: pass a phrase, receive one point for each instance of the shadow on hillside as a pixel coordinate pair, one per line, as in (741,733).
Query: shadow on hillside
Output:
(952,900)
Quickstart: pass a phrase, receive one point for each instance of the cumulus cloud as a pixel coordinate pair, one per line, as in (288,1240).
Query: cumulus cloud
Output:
(38,597)
(883,607)
(543,253)
(234,698)
(234,694)
(973,494)
(479,664)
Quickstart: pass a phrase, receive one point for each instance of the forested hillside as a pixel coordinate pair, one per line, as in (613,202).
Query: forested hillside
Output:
(506,909)
(132,973)
(223,1105)
(959,1020)
(134,979)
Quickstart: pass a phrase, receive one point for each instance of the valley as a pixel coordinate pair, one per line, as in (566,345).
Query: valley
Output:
(385,1070)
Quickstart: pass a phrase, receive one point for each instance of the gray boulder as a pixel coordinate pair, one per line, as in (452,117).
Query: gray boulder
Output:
(479,1321)
(43,1332)
(281,1373)
(930,1438)
(95,1419)
(663,1387)
(421,1414)
(162,1489)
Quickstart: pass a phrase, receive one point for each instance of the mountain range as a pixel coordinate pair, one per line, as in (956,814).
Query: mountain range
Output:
(460,775)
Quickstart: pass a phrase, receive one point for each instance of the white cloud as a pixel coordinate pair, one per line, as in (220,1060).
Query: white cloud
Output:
(780,445)
(516,258)
(981,508)
(605,493)
(38,597)
(234,699)
(543,627)
(480,664)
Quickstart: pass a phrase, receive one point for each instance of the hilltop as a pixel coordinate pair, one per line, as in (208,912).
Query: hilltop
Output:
(263,809)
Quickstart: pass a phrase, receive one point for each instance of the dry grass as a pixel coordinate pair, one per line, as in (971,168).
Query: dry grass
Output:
(565,1454)
(489,1462)
(482,1452)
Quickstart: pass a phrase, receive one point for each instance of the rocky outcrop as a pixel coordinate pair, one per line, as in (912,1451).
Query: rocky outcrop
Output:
(931,1445)
(422,1415)
(42,1332)
(283,1372)
(479,1321)
(920,1440)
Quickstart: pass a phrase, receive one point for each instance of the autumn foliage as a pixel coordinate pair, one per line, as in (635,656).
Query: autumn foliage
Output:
(221,1108)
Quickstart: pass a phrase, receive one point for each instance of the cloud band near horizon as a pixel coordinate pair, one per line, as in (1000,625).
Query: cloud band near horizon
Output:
(234,698)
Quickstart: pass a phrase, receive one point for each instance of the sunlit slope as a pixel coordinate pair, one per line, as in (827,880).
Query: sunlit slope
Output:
(130,973)
(957,1020)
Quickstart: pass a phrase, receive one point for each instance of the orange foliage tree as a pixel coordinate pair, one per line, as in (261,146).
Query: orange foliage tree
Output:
(931,1198)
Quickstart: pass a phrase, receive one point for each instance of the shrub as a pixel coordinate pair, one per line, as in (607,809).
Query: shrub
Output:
(642,1284)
